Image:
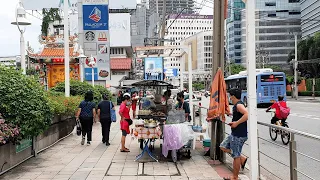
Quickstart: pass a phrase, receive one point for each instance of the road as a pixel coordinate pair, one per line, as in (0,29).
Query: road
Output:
(304,117)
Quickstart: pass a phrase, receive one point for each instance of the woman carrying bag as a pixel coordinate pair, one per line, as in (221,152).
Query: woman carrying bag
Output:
(86,115)
(106,114)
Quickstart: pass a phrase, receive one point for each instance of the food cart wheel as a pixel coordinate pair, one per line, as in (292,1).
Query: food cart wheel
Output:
(189,154)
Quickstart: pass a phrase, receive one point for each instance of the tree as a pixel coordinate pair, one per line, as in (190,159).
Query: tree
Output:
(308,49)
(236,68)
(49,15)
(198,86)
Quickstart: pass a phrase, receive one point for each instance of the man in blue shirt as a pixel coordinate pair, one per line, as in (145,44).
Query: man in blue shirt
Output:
(234,142)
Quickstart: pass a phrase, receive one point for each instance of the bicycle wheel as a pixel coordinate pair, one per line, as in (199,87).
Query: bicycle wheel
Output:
(273,133)
(285,136)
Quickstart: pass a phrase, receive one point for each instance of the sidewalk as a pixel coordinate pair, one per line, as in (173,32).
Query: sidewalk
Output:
(305,99)
(69,160)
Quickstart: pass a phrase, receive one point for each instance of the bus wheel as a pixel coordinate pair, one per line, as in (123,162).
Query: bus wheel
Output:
(245,101)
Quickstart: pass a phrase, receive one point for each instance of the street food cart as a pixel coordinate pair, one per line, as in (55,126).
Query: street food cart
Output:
(156,118)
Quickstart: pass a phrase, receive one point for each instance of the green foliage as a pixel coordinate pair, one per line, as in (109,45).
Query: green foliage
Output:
(308,49)
(62,105)
(309,84)
(236,68)
(49,15)
(198,86)
(78,88)
(24,102)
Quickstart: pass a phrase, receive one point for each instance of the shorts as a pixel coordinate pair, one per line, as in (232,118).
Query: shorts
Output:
(124,133)
(235,144)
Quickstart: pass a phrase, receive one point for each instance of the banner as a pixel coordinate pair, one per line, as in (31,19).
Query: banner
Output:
(153,69)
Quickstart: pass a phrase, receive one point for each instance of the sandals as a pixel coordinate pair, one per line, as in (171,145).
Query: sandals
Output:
(125,150)
(244,164)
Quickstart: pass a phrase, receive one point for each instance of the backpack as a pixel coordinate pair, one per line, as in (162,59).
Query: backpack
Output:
(284,111)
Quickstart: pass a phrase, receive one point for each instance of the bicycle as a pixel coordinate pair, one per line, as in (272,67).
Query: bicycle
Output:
(285,135)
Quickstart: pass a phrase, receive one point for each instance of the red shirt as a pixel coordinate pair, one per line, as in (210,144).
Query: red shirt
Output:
(124,125)
(276,106)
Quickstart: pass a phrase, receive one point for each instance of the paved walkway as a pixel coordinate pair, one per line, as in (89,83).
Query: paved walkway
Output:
(69,160)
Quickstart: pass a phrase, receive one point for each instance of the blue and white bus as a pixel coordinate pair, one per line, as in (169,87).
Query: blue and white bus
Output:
(270,85)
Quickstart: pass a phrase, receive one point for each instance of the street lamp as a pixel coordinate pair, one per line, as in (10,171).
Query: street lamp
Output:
(92,63)
(82,58)
(21,22)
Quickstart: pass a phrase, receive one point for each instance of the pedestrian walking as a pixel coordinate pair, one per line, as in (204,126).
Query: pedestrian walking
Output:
(104,114)
(234,142)
(125,121)
(87,114)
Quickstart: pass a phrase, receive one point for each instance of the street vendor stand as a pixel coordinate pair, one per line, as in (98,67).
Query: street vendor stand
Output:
(177,133)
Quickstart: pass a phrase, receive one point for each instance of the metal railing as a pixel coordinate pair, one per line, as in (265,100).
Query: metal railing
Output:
(292,148)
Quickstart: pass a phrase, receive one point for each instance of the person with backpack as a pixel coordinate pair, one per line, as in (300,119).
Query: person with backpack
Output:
(104,114)
(282,111)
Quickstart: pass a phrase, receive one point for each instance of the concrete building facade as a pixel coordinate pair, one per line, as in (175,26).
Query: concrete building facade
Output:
(172,6)
(276,22)
(181,27)
(310,15)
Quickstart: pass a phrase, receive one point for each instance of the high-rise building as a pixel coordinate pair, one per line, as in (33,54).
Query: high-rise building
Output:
(139,25)
(310,15)
(179,28)
(172,6)
(233,28)
(276,22)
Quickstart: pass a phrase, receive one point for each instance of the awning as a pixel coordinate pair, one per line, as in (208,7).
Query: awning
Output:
(120,63)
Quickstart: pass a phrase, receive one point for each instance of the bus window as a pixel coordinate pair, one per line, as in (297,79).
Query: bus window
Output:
(243,83)
(271,78)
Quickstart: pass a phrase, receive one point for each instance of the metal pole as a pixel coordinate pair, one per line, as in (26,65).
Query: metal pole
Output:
(218,56)
(92,76)
(23,53)
(80,36)
(66,49)
(293,158)
(190,80)
(296,66)
(182,68)
(252,93)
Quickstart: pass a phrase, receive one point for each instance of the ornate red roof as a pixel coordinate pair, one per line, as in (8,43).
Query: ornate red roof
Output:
(49,52)
(120,63)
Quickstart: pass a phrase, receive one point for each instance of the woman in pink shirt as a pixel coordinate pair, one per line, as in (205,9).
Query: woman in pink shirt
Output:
(124,124)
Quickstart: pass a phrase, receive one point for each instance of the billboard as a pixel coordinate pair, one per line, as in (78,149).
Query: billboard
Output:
(95,17)
(120,33)
(153,68)
(96,36)
(40,4)
(169,73)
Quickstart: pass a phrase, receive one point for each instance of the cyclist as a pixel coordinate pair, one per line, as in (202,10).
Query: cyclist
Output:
(277,115)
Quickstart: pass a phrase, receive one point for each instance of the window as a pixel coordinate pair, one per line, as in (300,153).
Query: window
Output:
(270,3)
(272,15)
(237,26)
(118,73)
(294,13)
(294,1)
(237,33)
(237,46)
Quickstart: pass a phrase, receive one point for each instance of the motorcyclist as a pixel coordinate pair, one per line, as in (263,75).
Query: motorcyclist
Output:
(277,115)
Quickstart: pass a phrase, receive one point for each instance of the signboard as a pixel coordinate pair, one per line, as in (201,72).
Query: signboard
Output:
(120,30)
(153,68)
(97,38)
(88,74)
(95,17)
(171,72)
(24,144)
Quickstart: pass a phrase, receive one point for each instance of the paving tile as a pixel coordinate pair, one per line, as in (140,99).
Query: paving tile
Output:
(112,178)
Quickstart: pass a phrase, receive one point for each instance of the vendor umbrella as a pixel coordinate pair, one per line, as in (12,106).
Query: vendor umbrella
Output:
(219,105)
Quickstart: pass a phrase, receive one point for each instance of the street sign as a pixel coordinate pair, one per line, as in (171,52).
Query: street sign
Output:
(95,17)
(24,144)
(88,74)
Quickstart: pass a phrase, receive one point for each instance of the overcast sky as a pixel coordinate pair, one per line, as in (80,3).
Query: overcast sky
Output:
(10,37)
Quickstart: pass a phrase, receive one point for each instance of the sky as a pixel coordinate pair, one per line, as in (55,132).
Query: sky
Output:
(10,36)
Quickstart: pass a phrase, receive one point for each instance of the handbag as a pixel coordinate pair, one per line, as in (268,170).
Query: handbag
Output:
(130,122)
(79,128)
(113,114)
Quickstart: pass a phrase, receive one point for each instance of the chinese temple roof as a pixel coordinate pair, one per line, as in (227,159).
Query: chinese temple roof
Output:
(52,52)
(120,63)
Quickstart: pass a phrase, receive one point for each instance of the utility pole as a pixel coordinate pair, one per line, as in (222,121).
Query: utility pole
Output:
(80,37)
(66,48)
(217,128)
(296,66)
(252,91)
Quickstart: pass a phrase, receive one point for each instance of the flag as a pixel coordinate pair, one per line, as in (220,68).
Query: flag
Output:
(219,105)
